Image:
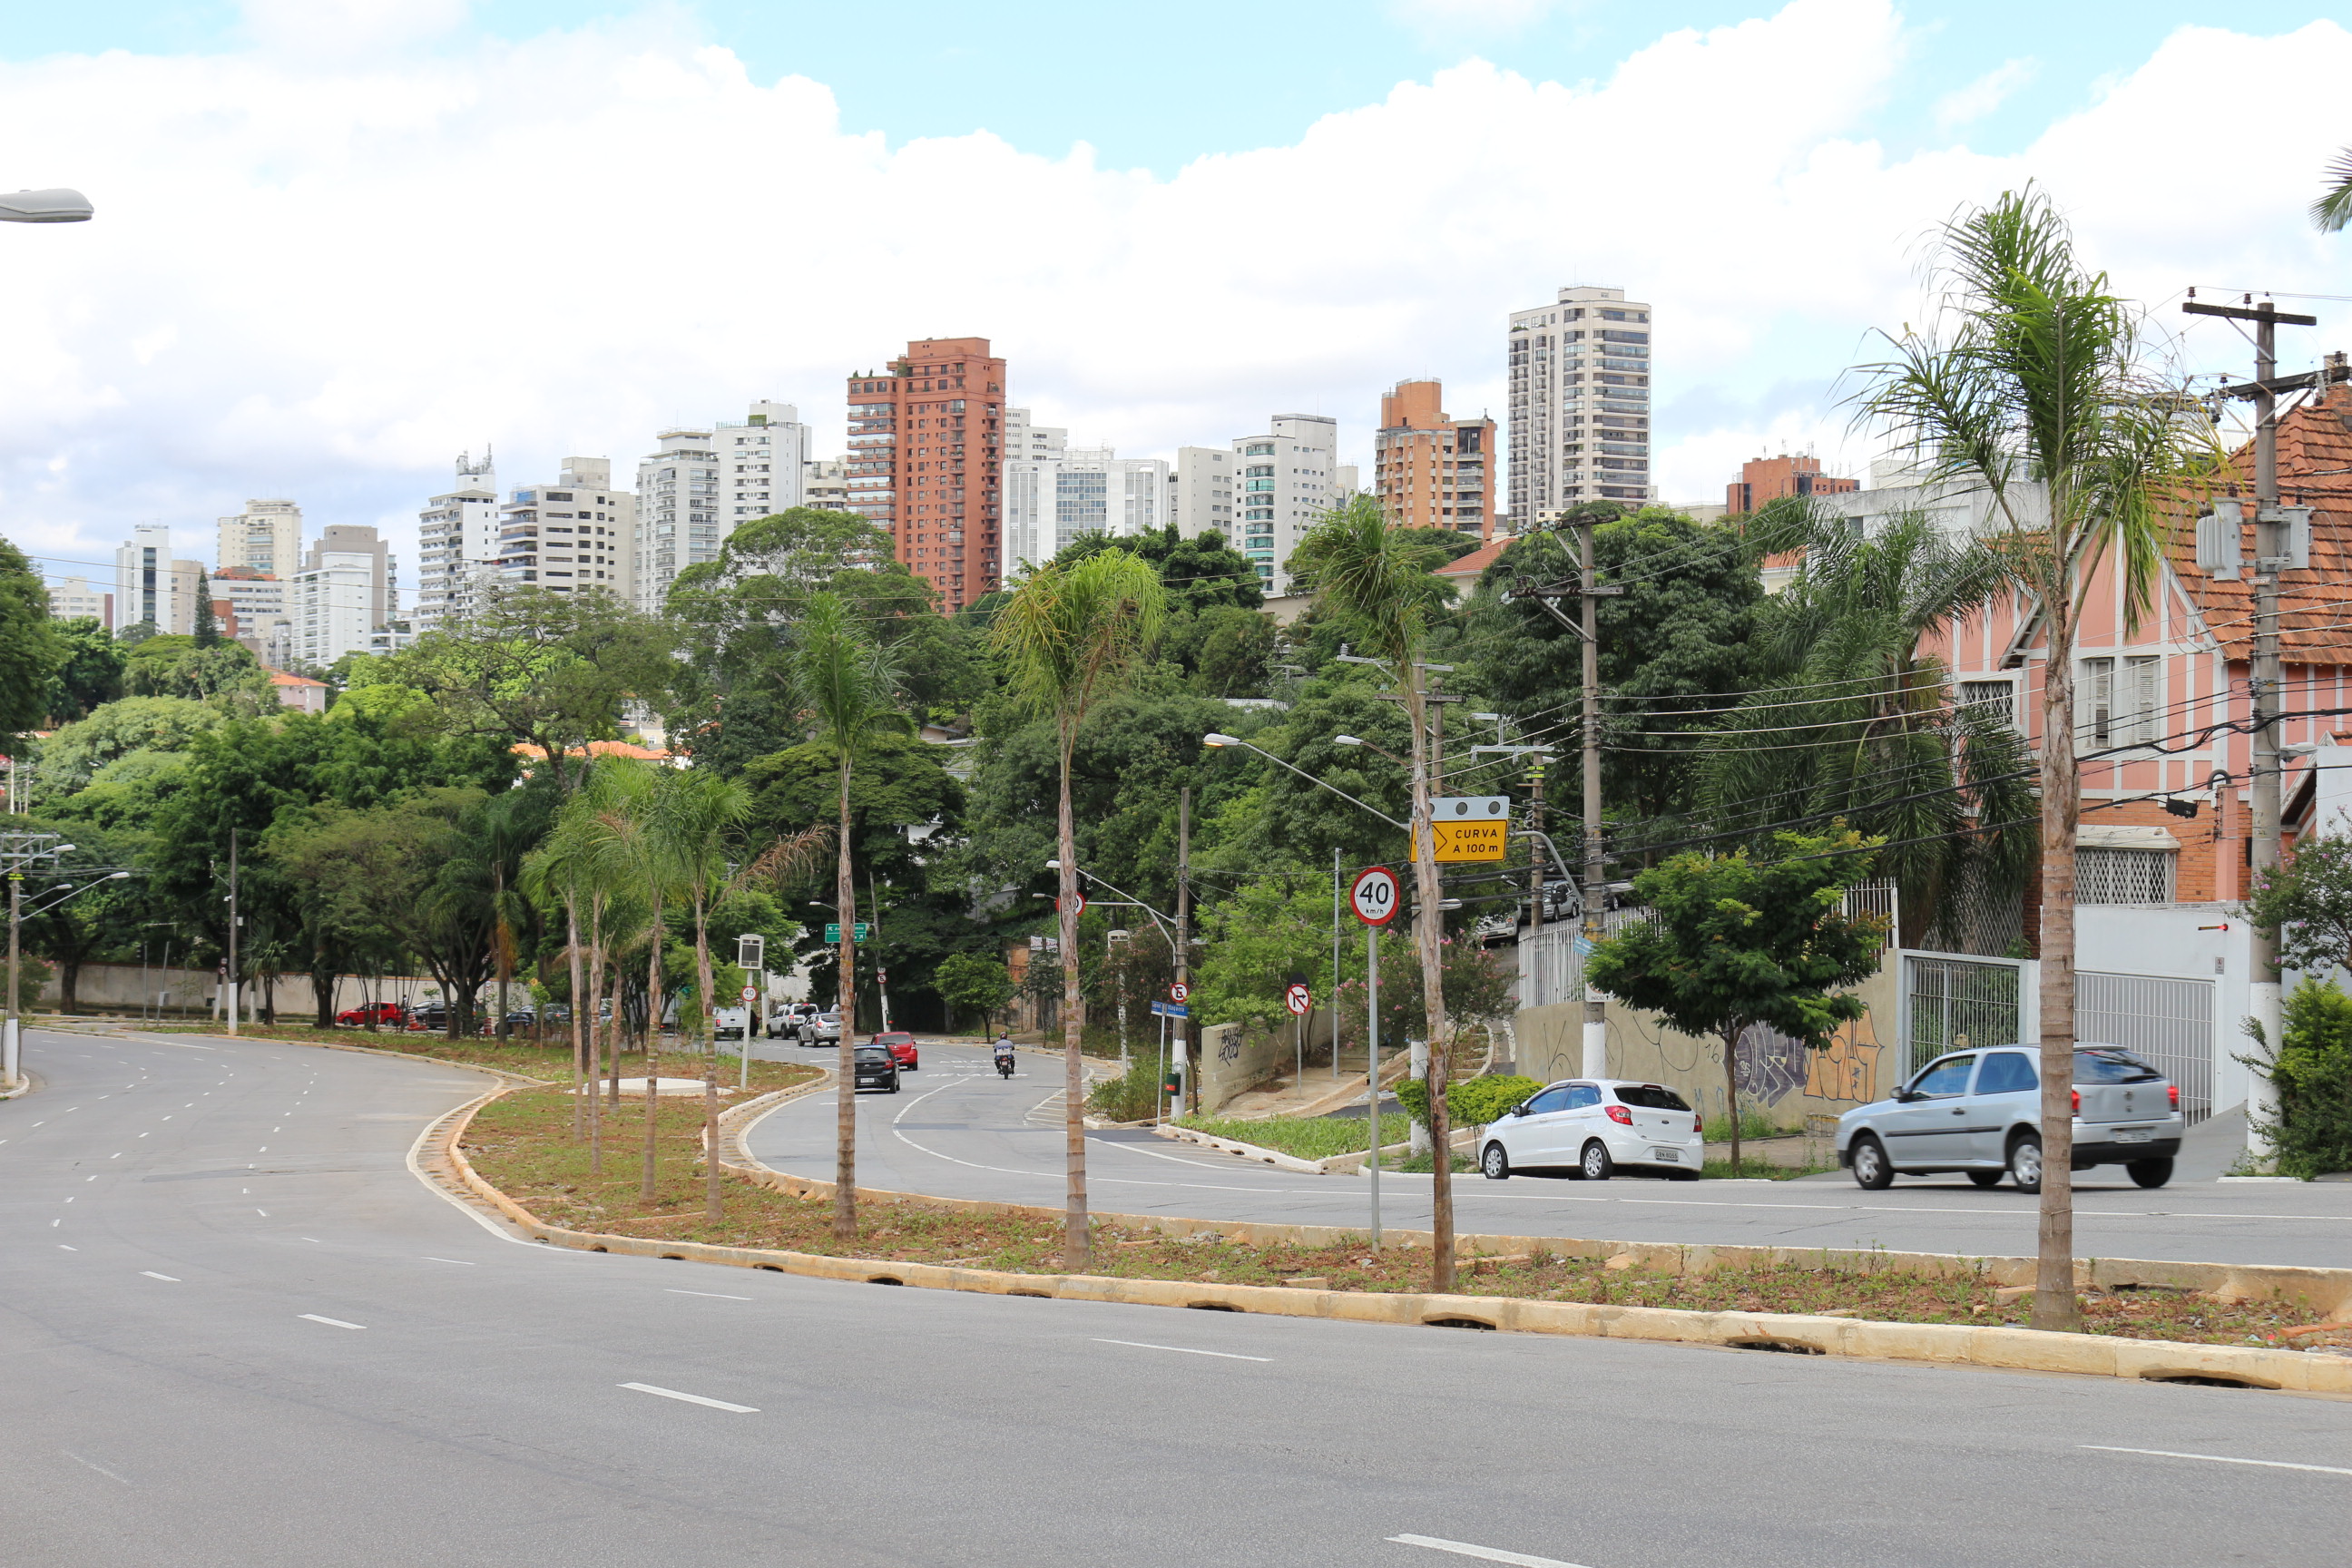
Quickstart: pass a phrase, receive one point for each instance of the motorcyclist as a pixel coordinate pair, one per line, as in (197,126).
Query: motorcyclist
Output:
(1004,1051)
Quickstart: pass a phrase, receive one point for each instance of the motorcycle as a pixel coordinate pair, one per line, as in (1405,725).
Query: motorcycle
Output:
(1004,1064)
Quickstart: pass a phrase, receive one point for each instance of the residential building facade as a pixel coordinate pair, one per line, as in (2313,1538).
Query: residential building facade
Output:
(926,462)
(267,536)
(761,463)
(457,544)
(574,535)
(1579,414)
(1763,480)
(1264,492)
(1025,439)
(74,599)
(259,602)
(825,484)
(678,522)
(143,579)
(1430,469)
(327,603)
(1050,501)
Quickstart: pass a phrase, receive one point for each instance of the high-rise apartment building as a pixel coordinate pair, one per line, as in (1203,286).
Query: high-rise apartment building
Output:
(267,536)
(927,459)
(327,604)
(1024,438)
(457,544)
(1763,479)
(259,602)
(1051,501)
(382,598)
(761,463)
(1429,470)
(143,579)
(575,534)
(74,599)
(1264,492)
(825,484)
(1579,420)
(677,512)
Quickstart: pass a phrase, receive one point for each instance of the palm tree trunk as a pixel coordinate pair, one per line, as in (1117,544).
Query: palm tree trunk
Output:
(712,1210)
(583,1075)
(703,976)
(652,1030)
(1731,1086)
(2055,1306)
(595,1034)
(845,1125)
(1077,1244)
(1428,932)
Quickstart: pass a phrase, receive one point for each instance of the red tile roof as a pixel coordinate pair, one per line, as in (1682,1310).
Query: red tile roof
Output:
(1469,567)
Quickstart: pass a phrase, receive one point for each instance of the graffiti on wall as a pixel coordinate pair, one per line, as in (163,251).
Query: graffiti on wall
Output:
(1848,1069)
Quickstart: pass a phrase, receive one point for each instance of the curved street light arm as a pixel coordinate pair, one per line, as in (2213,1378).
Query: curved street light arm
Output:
(1310,778)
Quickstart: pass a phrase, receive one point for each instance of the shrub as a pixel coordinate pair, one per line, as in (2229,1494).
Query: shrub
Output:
(1473,1103)
(1131,1096)
(2312,1072)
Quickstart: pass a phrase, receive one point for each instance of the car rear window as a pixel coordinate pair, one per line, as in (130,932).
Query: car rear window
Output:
(2110,1064)
(870,1054)
(1651,1096)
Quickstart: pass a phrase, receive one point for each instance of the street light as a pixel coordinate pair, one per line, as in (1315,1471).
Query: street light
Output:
(56,205)
(1358,741)
(1215,739)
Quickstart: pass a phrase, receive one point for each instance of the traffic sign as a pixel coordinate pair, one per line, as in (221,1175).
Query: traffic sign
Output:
(750,995)
(833,932)
(1299,999)
(1468,840)
(1171,1010)
(1470,808)
(1177,991)
(1375,897)
(1082,902)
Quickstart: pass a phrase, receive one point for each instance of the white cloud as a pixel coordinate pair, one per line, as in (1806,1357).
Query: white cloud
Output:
(323,277)
(1967,105)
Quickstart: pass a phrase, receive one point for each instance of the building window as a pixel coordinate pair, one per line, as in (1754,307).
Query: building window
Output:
(1998,699)
(2119,702)
(2123,876)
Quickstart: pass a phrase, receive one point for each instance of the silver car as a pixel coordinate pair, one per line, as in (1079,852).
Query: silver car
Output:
(1980,1113)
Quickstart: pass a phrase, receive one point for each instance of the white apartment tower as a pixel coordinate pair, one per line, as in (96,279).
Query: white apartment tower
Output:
(457,544)
(576,535)
(1263,493)
(761,463)
(267,536)
(1051,501)
(677,512)
(1579,420)
(74,599)
(1024,439)
(144,591)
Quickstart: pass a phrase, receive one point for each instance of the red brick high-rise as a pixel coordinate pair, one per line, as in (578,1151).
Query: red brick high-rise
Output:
(1763,479)
(927,461)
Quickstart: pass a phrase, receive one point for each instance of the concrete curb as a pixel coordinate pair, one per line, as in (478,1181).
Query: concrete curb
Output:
(1955,1344)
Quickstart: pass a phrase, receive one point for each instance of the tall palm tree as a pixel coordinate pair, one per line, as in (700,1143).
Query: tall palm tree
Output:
(845,689)
(1377,580)
(624,832)
(2333,210)
(2031,387)
(1071,634)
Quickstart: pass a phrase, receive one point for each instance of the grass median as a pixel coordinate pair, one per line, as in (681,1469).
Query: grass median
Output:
(522,1144)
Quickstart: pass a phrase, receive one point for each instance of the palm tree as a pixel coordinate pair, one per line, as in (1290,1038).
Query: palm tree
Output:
(2030,388)
(1889,752)
(846,690)
(625,840)
(1377,580)
(1071,634)
(2333,210)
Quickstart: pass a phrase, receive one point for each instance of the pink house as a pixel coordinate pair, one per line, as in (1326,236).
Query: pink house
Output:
(298,692)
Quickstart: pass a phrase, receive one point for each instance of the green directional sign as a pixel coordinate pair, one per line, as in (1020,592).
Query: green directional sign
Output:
(833,932)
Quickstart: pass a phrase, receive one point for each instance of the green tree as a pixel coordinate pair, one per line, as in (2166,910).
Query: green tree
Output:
(207,634)
(975,982)
(176,665)
(2308,903)
(2030,386)
(1738,942)
(31,650)
(2333,210)
(1069,637)
(91,675)
(846,690)
(72,756)
(1377,582)
(2311,1076)
(92,924)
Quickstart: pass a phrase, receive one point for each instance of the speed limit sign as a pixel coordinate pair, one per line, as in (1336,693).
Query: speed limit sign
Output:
(1374,897)
(750,995)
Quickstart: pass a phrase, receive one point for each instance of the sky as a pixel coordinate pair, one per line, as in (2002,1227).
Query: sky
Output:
(340,241)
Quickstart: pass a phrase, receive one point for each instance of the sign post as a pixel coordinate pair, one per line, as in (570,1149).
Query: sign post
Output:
(1375,899)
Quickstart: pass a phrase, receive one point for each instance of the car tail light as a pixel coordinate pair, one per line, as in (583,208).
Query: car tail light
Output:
(2172,1092)
(1619,1115)
(1698,1123)
(2078,1103)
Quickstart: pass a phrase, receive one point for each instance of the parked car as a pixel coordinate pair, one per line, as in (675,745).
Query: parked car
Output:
(1981,1113)
(823,1029)
(785,1022)
(390,1013)
(901,1047)
(874,1067)
(1590,1127)
(730,1023)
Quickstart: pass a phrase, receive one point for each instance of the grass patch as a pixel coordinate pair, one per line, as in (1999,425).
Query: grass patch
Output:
(1423,1165)
(520,1055)
(1305,1137)
(522,1144)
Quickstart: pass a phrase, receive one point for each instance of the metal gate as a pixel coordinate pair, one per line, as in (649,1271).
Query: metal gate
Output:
(2168,1022)
(1949,1003)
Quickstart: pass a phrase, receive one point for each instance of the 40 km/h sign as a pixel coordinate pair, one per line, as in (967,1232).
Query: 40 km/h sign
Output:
(1376,897)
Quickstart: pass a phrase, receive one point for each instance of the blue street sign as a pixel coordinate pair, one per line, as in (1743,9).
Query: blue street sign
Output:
(1171,1010)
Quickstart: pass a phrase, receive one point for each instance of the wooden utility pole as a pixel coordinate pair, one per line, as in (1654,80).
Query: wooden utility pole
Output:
(1180,1028)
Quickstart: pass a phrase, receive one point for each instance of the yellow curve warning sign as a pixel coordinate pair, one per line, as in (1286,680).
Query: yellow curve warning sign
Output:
(1468,840)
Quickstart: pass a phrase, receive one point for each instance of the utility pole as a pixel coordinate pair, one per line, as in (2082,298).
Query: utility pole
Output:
(232,931)
(1183,1027)
(2282,536)
(19,849)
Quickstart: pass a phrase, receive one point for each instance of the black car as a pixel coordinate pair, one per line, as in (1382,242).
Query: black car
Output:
(875,1068)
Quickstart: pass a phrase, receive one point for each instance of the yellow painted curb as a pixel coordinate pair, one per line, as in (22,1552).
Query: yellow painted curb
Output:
(2002,1348)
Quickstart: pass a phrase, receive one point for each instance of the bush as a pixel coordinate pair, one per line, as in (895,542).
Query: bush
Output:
(1130,1097)
(2312,1073)
(1305,1137)
(1473,1103)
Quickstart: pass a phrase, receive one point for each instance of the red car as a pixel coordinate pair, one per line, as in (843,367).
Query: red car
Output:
(901,1047)
(390,1013)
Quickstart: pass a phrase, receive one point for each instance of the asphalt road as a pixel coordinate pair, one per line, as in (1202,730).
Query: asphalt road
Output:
(237,1332)
(958,1130)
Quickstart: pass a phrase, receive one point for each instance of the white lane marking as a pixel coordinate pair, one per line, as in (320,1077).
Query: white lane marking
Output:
(1183,1350)
(101,1470)
(90,1178)
(312,1239)
(63,1248)
(262,1212)
(166,1278)
(331,1322)
(54,1224)
(693,1398)
(1488,1553)
(2220,1459)
(430,1258)
(714,1295)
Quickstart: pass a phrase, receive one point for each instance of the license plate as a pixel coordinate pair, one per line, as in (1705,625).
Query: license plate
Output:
(1672,1156)
(2134,1134)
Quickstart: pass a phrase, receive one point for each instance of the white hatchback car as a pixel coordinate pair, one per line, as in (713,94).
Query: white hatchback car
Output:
(1588,1127)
